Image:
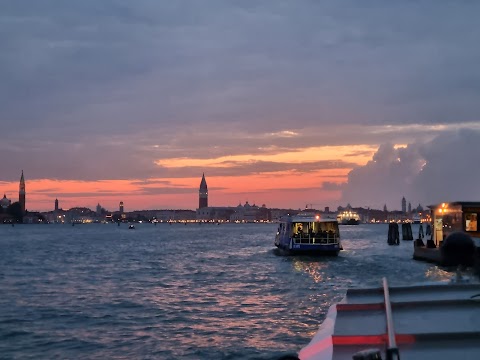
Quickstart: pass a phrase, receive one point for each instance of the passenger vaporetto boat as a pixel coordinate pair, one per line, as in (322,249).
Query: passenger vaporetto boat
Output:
(308,234)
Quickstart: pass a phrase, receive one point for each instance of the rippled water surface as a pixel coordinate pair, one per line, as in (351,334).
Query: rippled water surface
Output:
(178,291)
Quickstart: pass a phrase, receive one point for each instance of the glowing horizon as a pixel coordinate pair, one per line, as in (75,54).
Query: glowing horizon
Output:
(281,189)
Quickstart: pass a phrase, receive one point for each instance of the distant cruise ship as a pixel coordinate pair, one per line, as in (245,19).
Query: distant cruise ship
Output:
(348,217)
(416,219)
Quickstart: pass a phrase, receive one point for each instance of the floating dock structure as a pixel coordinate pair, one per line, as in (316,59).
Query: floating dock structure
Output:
(449,222)
(430,255)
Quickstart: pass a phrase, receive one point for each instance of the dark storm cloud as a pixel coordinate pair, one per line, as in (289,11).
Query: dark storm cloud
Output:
(384,179)
(75,73)
(451,170)
(441,170)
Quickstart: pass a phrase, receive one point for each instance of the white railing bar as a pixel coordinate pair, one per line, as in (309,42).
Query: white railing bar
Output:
(392,350)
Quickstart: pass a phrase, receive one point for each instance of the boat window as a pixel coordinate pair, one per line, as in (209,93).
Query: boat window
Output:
(471,222)
(453,220)
(329,227)
(298,229)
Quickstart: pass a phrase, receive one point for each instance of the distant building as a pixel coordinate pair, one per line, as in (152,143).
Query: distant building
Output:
(99,209)
(404,205)
(22,193)
(81,215)
(203,193)
(32,218)
(277,214)
(396,216)
(245,213)
(409,207)
(251,213)
(56,204)
(121,207)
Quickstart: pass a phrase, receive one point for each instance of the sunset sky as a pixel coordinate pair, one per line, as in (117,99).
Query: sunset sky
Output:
(278,102)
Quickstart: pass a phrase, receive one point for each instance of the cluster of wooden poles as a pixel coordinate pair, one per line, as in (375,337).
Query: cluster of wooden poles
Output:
(394,235)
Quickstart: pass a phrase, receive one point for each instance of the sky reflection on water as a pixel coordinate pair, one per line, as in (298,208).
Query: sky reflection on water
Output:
(189,292)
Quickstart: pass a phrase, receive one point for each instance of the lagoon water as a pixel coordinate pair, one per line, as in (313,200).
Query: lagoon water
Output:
(179,291)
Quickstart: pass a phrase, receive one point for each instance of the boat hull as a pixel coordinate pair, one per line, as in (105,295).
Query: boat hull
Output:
(350,222)
(307,249)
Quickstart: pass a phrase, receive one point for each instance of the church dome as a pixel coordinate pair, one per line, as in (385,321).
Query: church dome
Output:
(4,203)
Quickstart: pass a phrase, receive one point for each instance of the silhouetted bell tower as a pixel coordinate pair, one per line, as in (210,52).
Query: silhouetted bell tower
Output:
(203,194)
(21,193)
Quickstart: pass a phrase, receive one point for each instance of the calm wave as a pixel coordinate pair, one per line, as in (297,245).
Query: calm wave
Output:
(178,291)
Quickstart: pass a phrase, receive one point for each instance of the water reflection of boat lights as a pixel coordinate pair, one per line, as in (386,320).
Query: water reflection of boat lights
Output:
(312,268)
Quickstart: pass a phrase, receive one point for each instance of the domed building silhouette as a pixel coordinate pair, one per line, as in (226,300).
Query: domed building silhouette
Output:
(4,202)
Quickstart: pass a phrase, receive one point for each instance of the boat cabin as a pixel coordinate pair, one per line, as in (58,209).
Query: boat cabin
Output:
(310,230)
(452,217)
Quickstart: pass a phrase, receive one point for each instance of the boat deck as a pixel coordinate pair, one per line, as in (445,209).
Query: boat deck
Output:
(429,322)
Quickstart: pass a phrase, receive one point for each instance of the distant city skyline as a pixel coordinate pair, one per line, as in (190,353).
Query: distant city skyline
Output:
(282,103)
(202,202)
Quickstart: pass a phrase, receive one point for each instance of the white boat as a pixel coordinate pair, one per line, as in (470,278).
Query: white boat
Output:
(416,218)
(348,217)
(429,321)
(310,234)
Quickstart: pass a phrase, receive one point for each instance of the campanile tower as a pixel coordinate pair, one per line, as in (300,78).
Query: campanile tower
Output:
(203,194)
(21,193)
